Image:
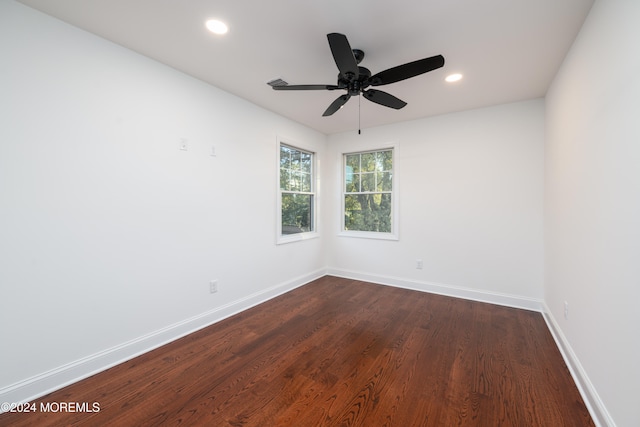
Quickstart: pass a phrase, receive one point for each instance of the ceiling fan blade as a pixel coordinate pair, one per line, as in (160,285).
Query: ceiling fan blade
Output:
(306,87)
(343,55)
(335,105)
(384,98)
(405,71)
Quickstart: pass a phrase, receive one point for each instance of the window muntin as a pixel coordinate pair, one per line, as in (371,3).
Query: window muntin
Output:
(297,193)
(368,192)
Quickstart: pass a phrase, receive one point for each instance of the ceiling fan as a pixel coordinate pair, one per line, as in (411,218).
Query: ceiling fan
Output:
(355,79)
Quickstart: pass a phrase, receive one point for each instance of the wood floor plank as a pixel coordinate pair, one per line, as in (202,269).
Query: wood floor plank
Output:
(340,352)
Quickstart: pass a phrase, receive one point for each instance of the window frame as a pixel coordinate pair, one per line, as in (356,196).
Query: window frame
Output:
(296,237)
(394,233)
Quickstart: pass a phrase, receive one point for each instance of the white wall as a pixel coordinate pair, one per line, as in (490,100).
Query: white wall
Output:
(592,205)
(108,232)
(471,204)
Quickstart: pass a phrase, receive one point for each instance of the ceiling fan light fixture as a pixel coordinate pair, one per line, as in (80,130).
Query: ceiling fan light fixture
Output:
(453,78)
(217,26)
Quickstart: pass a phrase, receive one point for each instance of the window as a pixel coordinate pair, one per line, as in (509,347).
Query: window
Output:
(297,201)
(368,198)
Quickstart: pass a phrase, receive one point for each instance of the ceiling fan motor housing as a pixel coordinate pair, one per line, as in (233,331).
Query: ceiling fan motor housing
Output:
(355,85)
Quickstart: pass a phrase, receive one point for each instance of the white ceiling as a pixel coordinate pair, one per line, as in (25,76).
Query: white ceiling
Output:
(508,50)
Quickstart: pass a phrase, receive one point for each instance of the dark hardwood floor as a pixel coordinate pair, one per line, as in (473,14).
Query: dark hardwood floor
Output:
(340,352)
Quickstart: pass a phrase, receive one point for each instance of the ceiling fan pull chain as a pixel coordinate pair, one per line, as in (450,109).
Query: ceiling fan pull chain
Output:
(358,114)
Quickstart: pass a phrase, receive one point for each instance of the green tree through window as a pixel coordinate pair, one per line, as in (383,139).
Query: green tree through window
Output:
(297,190)
(368,191)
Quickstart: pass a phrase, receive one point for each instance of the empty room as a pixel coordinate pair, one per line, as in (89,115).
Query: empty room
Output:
(337,213)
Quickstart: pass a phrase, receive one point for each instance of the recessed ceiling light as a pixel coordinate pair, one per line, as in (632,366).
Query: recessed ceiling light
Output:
(217,27)
(453,77)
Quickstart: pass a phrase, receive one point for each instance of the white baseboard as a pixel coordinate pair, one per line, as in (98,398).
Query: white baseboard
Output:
(532,304)
(46,382)
(596,407)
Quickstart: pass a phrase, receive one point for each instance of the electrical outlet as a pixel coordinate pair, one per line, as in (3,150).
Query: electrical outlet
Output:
(566,310)
(419,264)
(213,286)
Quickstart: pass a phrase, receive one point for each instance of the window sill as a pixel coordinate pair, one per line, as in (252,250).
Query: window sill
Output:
(369,235)
(289,238)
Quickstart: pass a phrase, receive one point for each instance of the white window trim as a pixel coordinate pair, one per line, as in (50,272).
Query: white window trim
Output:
(395,213)
(289,238)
